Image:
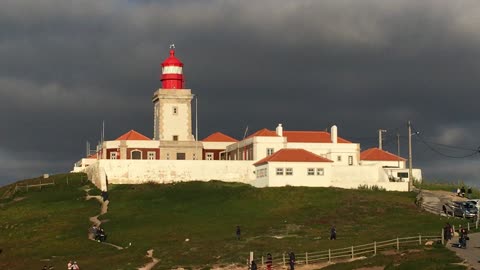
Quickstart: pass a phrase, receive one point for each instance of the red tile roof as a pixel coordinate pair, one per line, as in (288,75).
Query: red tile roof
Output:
(292,155)
(132,135)
(379,155)
(219,137)
(301,136)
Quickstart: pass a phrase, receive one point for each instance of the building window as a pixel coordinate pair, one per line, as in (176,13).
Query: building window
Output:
(320,171)
(350,160)
(270,151)
(339,158)
(279,171)
(175,137)
(288,171)
(175,110)
(209,156)
(151,155)
(310,171)
(113,155)
(194,156)
(261,172)
(168,155)
(180,156)
(136,154)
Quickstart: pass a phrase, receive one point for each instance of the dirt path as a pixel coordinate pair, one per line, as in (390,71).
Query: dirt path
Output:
(95,220)
(149,266)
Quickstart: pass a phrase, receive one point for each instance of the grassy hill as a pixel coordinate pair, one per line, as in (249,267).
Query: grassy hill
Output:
(49,226)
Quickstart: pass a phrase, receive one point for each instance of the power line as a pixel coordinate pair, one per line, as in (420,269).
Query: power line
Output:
(473,151)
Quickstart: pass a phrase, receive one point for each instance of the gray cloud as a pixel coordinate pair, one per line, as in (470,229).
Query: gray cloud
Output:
(362,65)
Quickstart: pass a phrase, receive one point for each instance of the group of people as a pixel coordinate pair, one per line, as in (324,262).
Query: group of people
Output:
(461,192)
(448,233)
(98,233)
(73,266)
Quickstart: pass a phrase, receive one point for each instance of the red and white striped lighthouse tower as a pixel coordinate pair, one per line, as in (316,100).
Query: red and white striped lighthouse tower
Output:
(172,71)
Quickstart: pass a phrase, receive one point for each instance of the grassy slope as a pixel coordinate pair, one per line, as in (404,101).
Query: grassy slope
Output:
(53,222)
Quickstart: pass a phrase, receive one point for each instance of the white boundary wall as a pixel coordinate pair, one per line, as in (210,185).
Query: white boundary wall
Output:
(354,176)
(167,171)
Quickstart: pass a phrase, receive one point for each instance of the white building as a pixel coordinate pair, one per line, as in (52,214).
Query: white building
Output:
(264,158)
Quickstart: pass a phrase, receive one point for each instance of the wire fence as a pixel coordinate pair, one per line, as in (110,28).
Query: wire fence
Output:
(352,252)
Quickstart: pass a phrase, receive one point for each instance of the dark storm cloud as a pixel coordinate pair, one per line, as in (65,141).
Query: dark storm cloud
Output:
(363,65)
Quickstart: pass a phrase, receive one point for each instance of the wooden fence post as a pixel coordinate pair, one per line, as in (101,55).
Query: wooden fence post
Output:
(375,248)
(398,245)
(420,239)
(468,226)
(443,237)
(262,261)
(283,259)
(306,257)
(329,255)
(352,252)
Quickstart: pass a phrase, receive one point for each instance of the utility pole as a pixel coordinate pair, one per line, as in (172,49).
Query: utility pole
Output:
(380,139)
(398,148)
(410,178)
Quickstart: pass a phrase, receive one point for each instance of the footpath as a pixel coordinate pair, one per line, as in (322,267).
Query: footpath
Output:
(97,222)
(471,254)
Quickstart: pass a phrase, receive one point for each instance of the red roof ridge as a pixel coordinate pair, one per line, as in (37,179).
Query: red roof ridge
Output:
(292,155)
(219,137)
(133,135)
(378,154)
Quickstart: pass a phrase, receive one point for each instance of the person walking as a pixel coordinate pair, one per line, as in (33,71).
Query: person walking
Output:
(269,261)
(291,260)
(238,232)
(333,233)
(69,265)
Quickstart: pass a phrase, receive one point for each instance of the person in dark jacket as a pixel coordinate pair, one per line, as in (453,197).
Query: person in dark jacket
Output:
(333,233)
(291,260)
(238,232)
(253,266)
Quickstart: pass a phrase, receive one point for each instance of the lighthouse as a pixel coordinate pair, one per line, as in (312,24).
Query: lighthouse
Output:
(172,113)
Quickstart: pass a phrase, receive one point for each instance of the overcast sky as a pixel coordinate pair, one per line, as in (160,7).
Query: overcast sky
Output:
(360,64)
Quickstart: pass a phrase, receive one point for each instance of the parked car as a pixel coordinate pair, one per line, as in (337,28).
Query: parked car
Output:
(462,209)
(475,202)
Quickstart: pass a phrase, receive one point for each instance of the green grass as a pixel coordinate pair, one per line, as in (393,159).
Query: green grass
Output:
(52,223)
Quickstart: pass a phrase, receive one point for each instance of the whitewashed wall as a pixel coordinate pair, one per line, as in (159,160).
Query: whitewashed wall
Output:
(400,164)
(354,176)
(166,171)
(331,150)
(299,177)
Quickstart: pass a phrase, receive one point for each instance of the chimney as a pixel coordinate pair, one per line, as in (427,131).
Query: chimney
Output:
(279,130)
(333,133)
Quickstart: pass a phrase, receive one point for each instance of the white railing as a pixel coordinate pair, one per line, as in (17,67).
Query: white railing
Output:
(348,252)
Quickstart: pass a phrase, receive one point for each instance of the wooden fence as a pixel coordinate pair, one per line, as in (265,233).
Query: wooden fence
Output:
(25,187)
(351,252)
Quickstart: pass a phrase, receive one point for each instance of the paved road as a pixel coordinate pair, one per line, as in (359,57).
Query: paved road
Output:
(471,254)
(432,202)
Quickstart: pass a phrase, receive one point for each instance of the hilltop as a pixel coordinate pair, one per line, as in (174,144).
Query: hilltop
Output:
(49,226)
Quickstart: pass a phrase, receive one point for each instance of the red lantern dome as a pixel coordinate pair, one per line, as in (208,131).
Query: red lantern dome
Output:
(172,71)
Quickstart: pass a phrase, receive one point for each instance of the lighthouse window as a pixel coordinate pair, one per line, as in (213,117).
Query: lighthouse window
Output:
(175,110)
